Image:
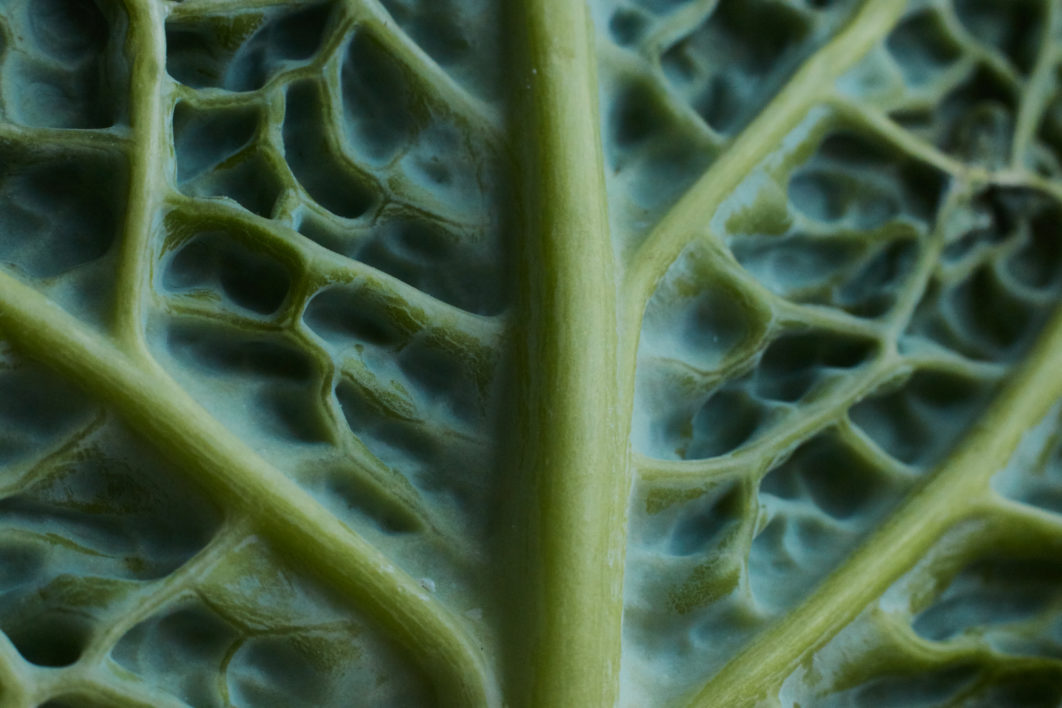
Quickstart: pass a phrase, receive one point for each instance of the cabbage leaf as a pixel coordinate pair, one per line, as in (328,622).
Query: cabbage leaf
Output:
(544,353)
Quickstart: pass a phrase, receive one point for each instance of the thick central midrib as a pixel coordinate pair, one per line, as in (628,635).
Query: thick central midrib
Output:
(952,492)
(299,527)
(564,557)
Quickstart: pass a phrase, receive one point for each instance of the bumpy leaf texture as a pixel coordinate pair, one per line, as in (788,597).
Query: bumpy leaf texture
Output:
(530,353)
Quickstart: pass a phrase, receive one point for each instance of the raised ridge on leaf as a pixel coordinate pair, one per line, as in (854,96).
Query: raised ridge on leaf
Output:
(530,353)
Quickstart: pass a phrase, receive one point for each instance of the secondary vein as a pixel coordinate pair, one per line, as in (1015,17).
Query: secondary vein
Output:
(951,493)
(298,526)
(689,217)
(149,153)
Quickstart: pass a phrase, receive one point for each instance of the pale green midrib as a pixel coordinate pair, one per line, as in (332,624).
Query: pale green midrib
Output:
(813,81)
(149,153)
(570,538)
(955,489)
(302,530)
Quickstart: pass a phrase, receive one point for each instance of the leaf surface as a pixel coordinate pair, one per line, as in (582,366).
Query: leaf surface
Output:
(641,352)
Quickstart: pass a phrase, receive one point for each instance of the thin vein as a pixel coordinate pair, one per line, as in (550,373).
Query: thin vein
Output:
(865,447)
(758,456)
(811,83)
(948,495)
(884,127)
(193,9)
(432,77)
(678,110)
(149,154)
(154,596)
(914,289)
(988,55)
(380,479)
(301,529)
(675,25)
(948,361)
(326,267)
(64,138)
(25,473)
(110,685)
(830,319)
(1037,93)
(1025,518)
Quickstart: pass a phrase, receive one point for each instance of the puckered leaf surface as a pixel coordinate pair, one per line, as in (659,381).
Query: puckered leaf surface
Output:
(551,353)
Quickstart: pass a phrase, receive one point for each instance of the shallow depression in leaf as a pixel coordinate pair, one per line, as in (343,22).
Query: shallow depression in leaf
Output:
(53,638)
(327,177)
(652,156)
(923,688)
(64,68)
(342,314)
(72,700)
(218,155)
(342,489)
(985,303)
(992,592)
(794,365)
(827,474)
(244,50)
(262,385)
(1012,27)
(728,65)
(203,139)
(831,329)
(112,494)
(443,262)
(215,263)
(36,413)
(461,36)
(706,523)
(377,101)
(58,210)
(182,651)
(919,421)
(727,419)
(922,45)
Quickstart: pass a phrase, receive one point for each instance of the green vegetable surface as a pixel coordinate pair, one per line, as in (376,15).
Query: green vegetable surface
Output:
(530,353)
